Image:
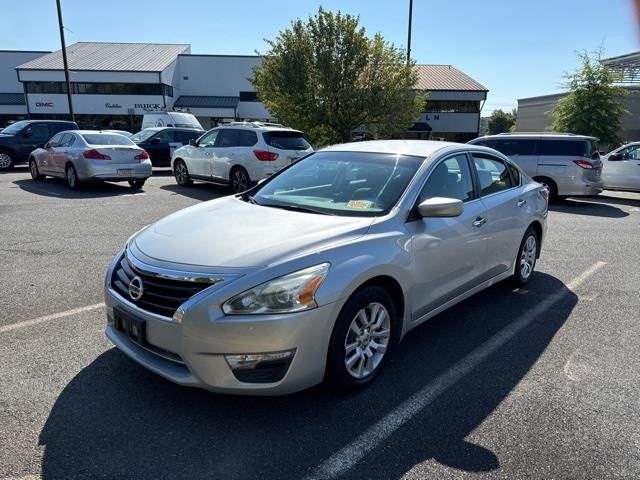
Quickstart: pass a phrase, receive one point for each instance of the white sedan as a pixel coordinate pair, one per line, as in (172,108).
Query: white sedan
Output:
(621,168)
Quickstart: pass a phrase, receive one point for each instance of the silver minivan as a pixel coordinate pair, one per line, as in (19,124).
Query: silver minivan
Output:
(565,163)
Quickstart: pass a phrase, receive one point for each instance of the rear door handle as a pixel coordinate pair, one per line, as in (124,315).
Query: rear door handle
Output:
(479,221)
(522,203)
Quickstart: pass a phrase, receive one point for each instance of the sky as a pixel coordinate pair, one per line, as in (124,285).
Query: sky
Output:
(515,48)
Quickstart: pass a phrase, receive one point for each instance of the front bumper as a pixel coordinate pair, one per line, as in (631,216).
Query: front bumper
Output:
(101,170)
(191,352)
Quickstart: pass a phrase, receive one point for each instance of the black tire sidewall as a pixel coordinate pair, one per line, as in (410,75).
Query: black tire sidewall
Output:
(336,374)
(246,174)
(517,277)
(137,184)
(37,176)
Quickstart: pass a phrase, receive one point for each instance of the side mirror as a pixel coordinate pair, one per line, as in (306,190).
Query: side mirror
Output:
(27,134)
(615,157)
(441,207)
(193,142)
(42,145)
(154,141)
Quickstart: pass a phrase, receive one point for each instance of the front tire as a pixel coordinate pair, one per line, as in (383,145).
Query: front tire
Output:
(239,180)
(181,174)
(526,259)
(33,169)
(360,339)
(71,176)
(137,184)
(7,160)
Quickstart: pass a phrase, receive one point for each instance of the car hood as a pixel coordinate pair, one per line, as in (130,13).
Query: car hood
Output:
(231,233)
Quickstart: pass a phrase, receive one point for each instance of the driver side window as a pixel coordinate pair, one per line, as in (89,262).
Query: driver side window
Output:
(450,179)
(209,139)
(54,142)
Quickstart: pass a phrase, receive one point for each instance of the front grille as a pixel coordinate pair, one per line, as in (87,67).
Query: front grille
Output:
(160,295)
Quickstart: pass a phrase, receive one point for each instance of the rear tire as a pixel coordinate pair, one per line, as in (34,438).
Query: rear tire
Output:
(137,184)
(33,169)
(181,174)
(355,359)
(71,176)
(553,188)
(7,160)
(239,180)
(526,259)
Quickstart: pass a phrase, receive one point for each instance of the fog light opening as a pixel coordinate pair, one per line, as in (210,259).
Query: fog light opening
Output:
(260,367)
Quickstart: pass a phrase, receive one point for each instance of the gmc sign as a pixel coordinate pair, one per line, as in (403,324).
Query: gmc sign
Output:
(44,104)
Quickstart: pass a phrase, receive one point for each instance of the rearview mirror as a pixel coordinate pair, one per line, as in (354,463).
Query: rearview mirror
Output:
(440,207)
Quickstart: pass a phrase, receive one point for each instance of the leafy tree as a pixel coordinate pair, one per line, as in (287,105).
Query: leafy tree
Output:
(592,106)
(500,122)
(326,77)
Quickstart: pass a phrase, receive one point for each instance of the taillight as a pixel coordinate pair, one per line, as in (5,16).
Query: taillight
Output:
(544,193)
(142,156)
(95,155)
(583,164)
(265,156)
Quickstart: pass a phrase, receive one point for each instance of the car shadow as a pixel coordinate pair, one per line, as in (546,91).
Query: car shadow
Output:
(616,200)
(198,191)
(162,172)
(57,187)
(116,419)
(589,208)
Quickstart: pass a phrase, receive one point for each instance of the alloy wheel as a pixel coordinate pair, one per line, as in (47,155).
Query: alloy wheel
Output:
(528,257)
(367,340)
(5,160)
(181,173)
(240,181)
(33,168)
(71,177)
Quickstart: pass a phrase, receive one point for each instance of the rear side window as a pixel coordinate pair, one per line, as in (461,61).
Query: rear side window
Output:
(515,174)
(230,137)
(59,127)
(106,139)
(286,140)
(67,140)
(573,148)
(493,174)
(39,130)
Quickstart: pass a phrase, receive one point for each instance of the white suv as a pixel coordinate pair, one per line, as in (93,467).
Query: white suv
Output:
(238,154)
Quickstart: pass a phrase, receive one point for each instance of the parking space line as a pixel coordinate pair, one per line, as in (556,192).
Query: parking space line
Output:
(46,318)
(346,458)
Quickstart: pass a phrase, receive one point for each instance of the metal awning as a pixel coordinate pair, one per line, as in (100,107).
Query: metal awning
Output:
(199,101)
(12,99)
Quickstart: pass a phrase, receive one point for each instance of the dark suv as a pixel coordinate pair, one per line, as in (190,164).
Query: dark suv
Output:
(17,141)
(160,142)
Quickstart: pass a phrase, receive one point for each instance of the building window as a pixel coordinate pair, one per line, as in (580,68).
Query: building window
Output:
(101,88)
(452,106)
(249,97)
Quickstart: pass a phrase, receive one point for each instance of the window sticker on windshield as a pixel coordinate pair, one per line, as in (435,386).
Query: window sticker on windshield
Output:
(359,204)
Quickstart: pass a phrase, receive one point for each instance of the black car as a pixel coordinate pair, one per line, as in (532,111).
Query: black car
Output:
(18,140)
(160,142)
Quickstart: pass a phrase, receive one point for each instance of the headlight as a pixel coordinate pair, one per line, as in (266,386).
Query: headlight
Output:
(294,292)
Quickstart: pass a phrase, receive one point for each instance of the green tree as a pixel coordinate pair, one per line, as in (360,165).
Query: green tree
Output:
(326,77)
(593,105)
(500,122)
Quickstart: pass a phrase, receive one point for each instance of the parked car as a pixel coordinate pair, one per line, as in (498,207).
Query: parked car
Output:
(84,155)
(238,154)
(18,140)
(621,168)
(566,164)
(170,119)
(160,142)
(316,271)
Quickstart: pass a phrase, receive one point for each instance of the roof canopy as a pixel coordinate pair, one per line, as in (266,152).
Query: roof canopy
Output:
(626,66)
(123,57)
(445,77)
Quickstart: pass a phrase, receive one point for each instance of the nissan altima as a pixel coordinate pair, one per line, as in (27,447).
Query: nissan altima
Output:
(317,272)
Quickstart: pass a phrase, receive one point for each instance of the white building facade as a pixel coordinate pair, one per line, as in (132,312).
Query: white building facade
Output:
(114,84)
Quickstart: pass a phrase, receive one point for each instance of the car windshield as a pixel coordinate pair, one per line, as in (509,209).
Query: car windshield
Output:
(15,128)
(106,139)
(143,135)
(340,183)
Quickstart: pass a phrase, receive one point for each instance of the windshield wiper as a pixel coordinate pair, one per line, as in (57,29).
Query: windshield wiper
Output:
(296,208)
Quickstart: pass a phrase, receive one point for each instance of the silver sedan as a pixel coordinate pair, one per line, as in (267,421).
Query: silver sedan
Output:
(313,274)
(84,155)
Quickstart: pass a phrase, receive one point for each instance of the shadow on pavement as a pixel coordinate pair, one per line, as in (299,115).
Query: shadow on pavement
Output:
(616,200)
(199,191)
(57,187)
(116,419)
(593,209)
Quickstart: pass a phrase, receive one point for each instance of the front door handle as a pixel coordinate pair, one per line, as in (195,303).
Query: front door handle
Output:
(522,203)
(479,221)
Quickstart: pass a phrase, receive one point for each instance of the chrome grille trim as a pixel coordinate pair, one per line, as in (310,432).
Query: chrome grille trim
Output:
(168,274)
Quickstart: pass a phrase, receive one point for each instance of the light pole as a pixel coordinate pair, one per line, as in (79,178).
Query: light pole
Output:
(409,33)
(64,61)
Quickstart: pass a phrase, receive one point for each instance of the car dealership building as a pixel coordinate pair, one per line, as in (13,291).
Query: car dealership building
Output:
(114,84)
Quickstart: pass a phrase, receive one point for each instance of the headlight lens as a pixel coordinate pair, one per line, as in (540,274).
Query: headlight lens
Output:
(294,292)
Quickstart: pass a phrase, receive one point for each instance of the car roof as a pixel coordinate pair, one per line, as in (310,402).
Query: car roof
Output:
(419,148)
(256,127)
(522,135)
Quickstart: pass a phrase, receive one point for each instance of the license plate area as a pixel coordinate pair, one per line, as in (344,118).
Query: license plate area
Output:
(125,172)
(135,328)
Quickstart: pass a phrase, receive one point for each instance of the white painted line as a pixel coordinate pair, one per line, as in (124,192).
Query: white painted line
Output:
(46,318)
(346,458)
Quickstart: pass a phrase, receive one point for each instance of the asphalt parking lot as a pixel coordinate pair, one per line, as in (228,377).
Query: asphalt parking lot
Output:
(535,383)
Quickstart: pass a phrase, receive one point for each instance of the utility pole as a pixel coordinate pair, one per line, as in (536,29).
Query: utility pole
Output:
(64,61)
(409,33)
